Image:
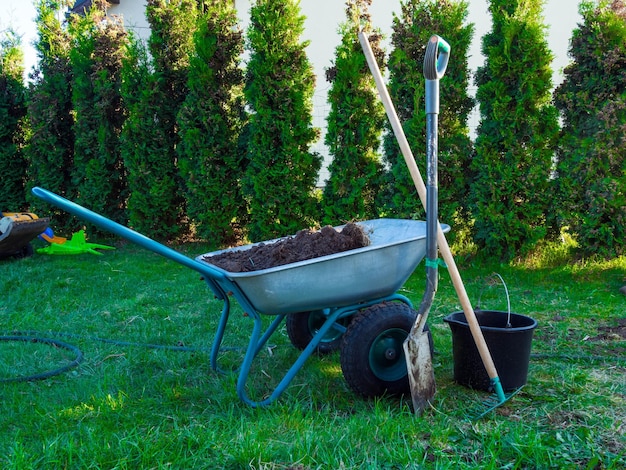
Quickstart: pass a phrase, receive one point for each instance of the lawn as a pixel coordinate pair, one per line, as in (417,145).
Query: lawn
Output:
(144,395)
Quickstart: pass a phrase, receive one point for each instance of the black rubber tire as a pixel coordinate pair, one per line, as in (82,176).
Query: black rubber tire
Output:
(372,354)
(27,251)
(301,327)
(24,252)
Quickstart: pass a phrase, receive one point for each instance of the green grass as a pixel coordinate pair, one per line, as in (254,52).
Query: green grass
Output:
(129,406)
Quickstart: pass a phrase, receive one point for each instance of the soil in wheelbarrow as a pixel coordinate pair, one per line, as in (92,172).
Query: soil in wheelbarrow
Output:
(304,245)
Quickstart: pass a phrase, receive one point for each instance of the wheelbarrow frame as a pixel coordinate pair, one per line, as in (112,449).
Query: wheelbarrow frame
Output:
(223,287)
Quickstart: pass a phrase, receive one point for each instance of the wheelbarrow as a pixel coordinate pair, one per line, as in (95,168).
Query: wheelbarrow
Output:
(17,229)
(348,300)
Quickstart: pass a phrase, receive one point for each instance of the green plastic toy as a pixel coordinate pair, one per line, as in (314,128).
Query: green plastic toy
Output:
(74,246)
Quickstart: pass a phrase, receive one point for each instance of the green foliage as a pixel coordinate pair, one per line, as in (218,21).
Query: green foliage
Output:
(12,125)
(53,41)
(517,132)
(97,54)
(156,203)
(418,21)
(355,123)
(151,177)
(211,161)
(50,149)
(591,156)
(279,88)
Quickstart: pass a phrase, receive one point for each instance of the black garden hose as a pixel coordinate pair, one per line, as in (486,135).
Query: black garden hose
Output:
(33,337)
(36,337)
(52,342)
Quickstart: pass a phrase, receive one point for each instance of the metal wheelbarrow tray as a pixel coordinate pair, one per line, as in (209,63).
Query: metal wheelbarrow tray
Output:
(396,247)
(334,287)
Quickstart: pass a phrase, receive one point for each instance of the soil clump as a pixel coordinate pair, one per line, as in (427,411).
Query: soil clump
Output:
(304,245)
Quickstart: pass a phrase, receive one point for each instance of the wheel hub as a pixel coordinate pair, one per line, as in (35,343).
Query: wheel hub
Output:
(390,354)
(386,357)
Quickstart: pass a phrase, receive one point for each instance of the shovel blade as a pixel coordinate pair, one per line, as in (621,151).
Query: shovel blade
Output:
(420,370)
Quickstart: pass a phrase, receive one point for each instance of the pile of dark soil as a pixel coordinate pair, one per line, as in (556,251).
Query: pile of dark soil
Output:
(306,244)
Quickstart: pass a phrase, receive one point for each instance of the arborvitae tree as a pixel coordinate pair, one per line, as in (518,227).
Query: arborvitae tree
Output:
(418,21)
(517,131)
(282,172)
(98,172)
(156,202)
(211,118)
(12,125)
(50,149)
(135,139)
(592,150)
(355,124)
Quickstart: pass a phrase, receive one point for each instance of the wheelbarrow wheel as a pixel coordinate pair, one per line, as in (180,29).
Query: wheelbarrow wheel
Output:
(372,354)
(26,252)
(302,326)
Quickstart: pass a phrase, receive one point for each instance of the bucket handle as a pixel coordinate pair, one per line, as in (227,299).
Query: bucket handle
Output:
(508,299)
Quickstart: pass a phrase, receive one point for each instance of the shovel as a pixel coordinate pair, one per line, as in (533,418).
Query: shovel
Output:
(470,316)
(417,348)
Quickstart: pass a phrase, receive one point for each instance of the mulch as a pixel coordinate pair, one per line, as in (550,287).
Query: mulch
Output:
(304,245)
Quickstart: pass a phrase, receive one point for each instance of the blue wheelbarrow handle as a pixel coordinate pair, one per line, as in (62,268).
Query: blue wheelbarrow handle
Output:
(219,283)
(130,235)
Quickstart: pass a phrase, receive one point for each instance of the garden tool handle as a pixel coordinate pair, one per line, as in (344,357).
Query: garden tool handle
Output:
(421,190)
(436,58)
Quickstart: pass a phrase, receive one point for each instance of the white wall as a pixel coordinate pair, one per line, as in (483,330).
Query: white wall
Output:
(133,14)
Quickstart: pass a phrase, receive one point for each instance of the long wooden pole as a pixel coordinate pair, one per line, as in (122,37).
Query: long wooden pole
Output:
(444,248)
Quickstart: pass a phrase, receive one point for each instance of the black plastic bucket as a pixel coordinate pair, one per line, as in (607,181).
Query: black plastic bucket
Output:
(509,347)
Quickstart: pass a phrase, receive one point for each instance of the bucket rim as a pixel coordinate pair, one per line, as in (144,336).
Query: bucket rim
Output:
(452,319)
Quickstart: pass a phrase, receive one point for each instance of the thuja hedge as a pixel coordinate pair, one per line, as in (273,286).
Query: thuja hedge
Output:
(212,153)
(591,156)
(98,171)
(510,192)
(280,82)
(355,124)
(183,143)
(50,146)
(418,20)
(156,205)
(12,112)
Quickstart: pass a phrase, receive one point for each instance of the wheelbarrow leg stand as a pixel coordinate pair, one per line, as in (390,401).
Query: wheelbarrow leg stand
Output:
(256,341)
(219,335)
(269,332)
(220,294)
(255,346)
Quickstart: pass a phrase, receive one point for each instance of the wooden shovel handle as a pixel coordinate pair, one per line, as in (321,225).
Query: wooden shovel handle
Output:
(477,334)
